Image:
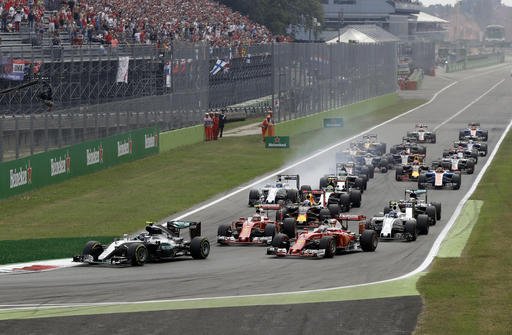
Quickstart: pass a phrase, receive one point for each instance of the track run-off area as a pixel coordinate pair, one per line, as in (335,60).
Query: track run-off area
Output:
(246,276)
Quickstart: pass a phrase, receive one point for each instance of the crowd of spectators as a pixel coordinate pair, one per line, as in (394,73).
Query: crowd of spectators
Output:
(157,22)
(14,12)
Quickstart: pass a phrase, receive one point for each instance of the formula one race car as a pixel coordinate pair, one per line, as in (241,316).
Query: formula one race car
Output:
(461,152)
(309,213)
(414,206)
(331,238)
(408,147)
(471,146)
(279,191)
(338,190)
(370,144)
(409,171)
(421,134)
(439,178)
(258,229)
(397,225)
(473,132)
(456,162)
(157,242)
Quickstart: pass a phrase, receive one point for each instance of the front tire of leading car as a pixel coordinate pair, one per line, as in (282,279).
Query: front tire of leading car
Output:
(369,240)
(199,247)
(137,254)
(93,248)
(328,243)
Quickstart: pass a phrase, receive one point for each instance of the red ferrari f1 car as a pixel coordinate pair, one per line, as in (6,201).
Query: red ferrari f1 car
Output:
(258,229)
(327,240)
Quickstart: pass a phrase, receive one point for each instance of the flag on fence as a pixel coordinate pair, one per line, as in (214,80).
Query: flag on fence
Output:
(167,72)
(122,70)
(219,65)
(13,69)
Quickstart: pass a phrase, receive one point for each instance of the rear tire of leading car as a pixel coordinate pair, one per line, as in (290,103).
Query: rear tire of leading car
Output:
(137,254)
(325,214)
(422,224)
(334,209)
(369,240)
(437,205)
(93,248)
(199,247)
(431,213)
(355,198)
(456,180)
(289,227)
(411,230)
(254,197)
(270,230)
(398,173)
(328,243)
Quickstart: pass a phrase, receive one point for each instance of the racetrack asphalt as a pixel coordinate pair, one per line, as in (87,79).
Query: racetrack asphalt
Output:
(235,272)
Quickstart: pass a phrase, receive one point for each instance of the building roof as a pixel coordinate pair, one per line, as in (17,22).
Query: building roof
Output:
(366,33)
(427,18)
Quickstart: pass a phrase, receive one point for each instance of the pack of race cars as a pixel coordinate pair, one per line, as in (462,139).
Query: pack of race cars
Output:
(291,219)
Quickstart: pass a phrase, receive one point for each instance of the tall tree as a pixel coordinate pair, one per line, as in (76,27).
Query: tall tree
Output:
(277,15)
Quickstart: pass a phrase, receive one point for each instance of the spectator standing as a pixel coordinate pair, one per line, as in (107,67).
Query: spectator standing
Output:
(208,126)
(222,121)
(17,20)
(270,124)
(215,125)
(264,127)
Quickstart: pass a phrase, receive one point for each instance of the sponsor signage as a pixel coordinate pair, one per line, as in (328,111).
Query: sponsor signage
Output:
(333,122)
(280,142)
(57,165)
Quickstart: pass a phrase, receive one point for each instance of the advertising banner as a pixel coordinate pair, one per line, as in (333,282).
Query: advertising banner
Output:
(280,142)
(54,166)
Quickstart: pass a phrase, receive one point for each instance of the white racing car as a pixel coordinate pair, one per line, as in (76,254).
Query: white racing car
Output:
(279,191)
(157,242)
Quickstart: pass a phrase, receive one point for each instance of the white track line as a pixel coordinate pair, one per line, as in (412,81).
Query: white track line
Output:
(469,105)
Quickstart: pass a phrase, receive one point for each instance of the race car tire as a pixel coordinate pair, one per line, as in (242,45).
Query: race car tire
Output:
(292,195)
(281,241)
(355,198)
(422,181)
(281,195)
(456,181)
(485,135)
(303,190)
(365,171)
(93,248)
(398,173)
(345,202)
(462,134)
(371,171)
(369,240)
(323,182)
(328,243)
(434,138)
(281,214)
(325,214)
(384,165)
(359,185)
(386,210)
(137,254)
(422,224)
(270,230)
(437,205)
(199,247)
(483,148)
(411,230)
(289,227)
(334,209)
(224,230)
(422,150)
(254,197)
(431,214)
(474,155)
(446,153)
(470,167)
(368,224)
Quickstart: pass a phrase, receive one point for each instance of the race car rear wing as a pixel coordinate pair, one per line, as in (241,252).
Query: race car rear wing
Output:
(194,227)
(295,177)
(415,193)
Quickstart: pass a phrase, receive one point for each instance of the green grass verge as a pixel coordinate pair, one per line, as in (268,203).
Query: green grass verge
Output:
(48,248)
(472,294)
(122,198)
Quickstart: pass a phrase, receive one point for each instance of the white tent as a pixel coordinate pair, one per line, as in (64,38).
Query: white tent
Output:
(363,34)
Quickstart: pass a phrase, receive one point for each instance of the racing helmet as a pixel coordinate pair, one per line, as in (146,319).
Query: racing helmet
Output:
(330,188)
(306,203)
(256,217)
(392,214)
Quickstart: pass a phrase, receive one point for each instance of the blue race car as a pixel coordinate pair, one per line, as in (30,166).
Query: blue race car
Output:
(439,178)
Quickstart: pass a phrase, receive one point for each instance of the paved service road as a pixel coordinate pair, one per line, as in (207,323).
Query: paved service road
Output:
(481,95)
